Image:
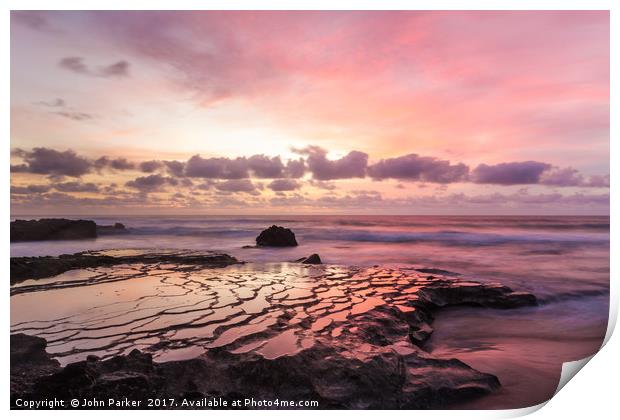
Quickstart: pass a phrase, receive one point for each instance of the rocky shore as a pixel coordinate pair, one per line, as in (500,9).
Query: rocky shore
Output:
(23,268)
(379,379)
(346,337)
(60,229)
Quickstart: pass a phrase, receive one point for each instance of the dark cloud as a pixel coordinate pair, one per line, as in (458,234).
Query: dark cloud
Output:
(76,187)
(56,178)
(32,19)
(260,166)
(216,168)
(172,167)
(562,177)
(151,183)
(186,182)
(236,185)
(22,167)
(77,65)
(175,167)
(418,168)
(118,69)
(56,103)
(65,111)
(272,167)
(150,166)
(266,167)
(74,64)
(283,175)
(283,185)
(30,189)
(206,185)
(329,186)
(295,168)
(66,201)
(42,160)
(57,164)
(119,164)
(353,165)
(512,173)
(179,197)
(76,115)
(570,177)
(598,181)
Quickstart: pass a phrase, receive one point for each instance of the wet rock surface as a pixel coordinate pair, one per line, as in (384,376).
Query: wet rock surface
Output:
(380,379)
(276,236)
(29,362)
(347,337)
(23,268)
(312,259)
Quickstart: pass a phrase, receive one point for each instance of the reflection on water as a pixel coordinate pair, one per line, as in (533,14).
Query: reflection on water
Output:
(272,309)
(524,348)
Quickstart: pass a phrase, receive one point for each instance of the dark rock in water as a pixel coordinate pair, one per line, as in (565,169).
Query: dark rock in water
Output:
(29,349)
(133,376)
(437,271)
(23,268)
(475,294)
(116,228)
(52,229)
(276,236)
(331,376)
(312,259)
(419,334)
(61,229)
(29,362)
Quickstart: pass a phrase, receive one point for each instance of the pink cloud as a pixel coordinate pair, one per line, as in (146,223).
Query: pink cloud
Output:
(469,81)
(458,89)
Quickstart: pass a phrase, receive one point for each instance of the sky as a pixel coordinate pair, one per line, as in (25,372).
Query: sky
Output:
(445,112)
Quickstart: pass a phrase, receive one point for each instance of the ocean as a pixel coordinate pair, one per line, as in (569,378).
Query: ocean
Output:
(564,261)
(553,257)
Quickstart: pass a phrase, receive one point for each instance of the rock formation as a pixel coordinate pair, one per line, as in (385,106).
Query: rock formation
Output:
(29,362)
(23,268)
(52,229)
(346,337)
(115,229)
(276,236)
(60,229)
(381,379)
(312,259)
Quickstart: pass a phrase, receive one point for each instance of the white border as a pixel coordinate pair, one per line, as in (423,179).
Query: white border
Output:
(593,394)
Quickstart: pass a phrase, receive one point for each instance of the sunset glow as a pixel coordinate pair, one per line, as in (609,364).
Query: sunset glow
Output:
(310,112)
